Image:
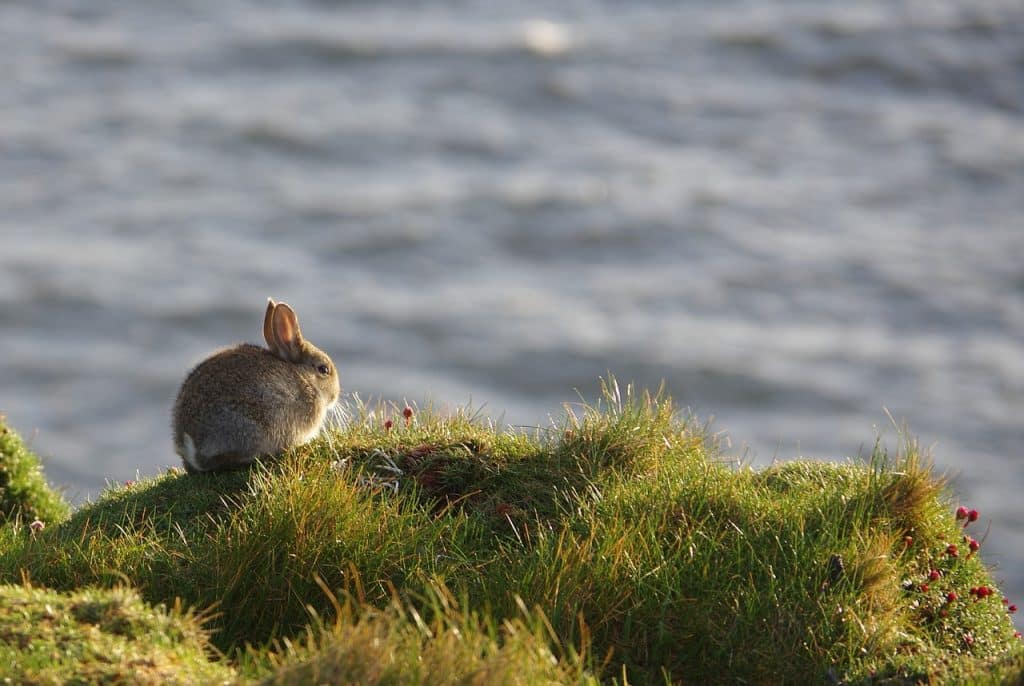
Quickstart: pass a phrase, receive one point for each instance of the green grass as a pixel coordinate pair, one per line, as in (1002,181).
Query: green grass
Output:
(99,636)
(397,646)
(614,546)
(24,493)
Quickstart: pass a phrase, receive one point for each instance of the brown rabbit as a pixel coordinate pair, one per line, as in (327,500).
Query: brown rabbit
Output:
(246,401)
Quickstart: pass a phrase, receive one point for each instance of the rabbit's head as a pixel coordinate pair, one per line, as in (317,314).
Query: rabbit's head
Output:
(284,338)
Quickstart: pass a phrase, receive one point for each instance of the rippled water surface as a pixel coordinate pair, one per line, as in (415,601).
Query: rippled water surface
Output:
(797,214)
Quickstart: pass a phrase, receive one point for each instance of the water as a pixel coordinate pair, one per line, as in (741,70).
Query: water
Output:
(800,215)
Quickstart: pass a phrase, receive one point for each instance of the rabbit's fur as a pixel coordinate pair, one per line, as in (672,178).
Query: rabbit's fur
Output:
(246,401)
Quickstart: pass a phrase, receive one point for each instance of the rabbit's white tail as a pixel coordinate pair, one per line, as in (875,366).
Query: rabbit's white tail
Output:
(188,452)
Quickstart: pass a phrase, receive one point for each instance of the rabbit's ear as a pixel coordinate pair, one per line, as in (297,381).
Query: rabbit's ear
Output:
(287,334)
(268,326)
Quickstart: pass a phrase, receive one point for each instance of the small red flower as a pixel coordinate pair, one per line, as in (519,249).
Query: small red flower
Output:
(1012,609)
(961,513)
(407,413)
(982,592)
(37,525)
(924,588)
(1016,634)
(951,550)
(1006,601)
(968,639)
(908,541)
(388,424)
(951,596)
(972,516)
(129,483)
(974,545)
(934,575)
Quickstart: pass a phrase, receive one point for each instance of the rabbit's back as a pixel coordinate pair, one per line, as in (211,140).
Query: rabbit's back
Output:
(241,403)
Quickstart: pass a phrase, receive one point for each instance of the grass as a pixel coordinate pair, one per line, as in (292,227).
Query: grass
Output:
(99,636)
(24,493)
(613,547)
(396,646)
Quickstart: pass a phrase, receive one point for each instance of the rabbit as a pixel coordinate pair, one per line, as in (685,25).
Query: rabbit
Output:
(246,402)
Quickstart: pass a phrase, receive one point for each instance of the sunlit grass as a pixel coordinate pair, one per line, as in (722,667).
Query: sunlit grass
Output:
(100,636)
(24,493)
(615,544)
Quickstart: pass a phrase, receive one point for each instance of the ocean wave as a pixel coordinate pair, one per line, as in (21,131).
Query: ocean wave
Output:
(970,54)
(333,42)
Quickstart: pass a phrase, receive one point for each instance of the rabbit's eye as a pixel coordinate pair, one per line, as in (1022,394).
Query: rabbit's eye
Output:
(323,369)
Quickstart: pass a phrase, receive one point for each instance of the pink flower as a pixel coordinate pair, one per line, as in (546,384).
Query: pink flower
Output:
(388,424)
(951,596)
(961,513)
(37,525)
(981,592)
(908,541)
(407,413)
(1012,609)
(934,575)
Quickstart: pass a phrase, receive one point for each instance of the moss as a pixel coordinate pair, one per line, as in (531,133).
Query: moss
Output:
(99,636)
(24,493)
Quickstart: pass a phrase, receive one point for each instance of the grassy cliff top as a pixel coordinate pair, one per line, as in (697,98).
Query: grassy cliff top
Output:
(614,547)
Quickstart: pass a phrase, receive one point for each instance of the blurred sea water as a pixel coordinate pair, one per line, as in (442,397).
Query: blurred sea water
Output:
(800,215)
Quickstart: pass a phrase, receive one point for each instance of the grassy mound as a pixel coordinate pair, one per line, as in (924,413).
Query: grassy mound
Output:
(24,493)
(616,546)
(99,636)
